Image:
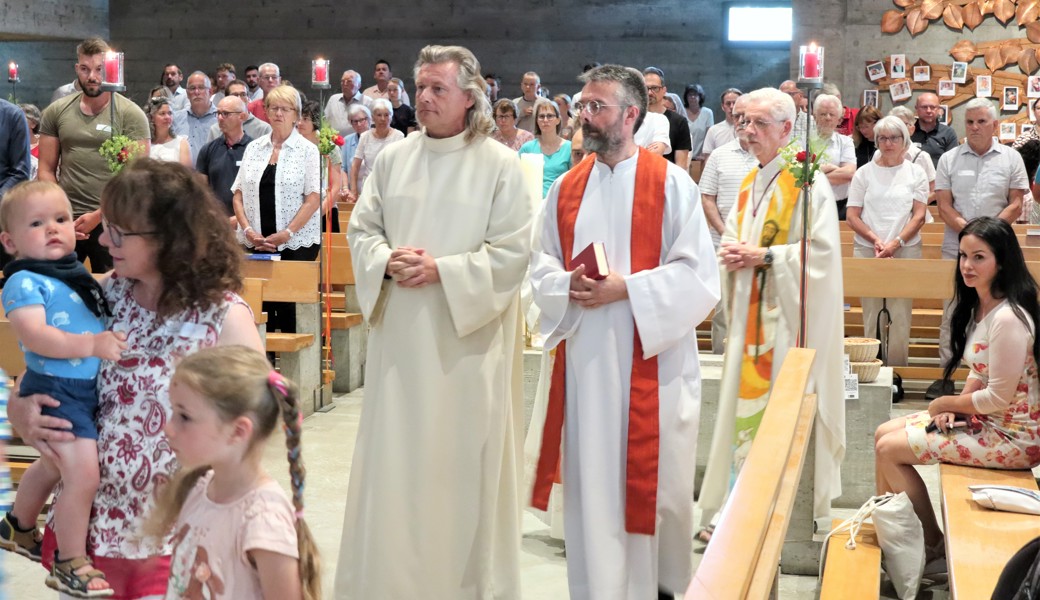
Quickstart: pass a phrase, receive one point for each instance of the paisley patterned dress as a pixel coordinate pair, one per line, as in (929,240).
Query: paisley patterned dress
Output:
(1006,436)
(134,405)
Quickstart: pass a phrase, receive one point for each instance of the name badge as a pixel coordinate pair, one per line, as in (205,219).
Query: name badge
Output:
(103,127)
(965,173)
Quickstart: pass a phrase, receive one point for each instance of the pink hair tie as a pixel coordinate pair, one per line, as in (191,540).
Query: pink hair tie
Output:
(299,515)
(275,380)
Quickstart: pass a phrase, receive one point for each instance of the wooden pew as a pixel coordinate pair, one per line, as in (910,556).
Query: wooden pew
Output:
(741,561)
(979,541)
(852,574)
(300,356)
(349,333)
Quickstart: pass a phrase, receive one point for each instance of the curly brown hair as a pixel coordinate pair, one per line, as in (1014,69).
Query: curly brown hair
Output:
(196,254)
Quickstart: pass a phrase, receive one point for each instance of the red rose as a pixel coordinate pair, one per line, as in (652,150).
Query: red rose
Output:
(801,156)
(813,158)
(338,140)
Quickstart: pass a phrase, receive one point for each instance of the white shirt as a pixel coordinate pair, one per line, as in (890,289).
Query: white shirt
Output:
(724,171)
(887,196)
(178,98)
(296,176)
(337,111)
(368,148)
(840,151)
(655,128)
(373,93)
(718,134)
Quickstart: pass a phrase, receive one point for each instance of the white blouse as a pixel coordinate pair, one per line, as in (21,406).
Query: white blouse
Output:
(368,148)
(295,177)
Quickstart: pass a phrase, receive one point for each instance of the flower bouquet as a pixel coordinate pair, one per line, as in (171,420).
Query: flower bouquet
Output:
(119,150)
(328,139)
(794,159)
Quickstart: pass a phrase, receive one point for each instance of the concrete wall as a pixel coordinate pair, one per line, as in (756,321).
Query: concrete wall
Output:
(41,36)
(555,39)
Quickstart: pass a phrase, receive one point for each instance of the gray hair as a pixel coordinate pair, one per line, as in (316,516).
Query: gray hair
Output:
(357,77)
(277,71)
(824,98)
(470,81)
(908,116)
(781,105)
(893,125)
(831,89)
(676,100)
(631,87)
(209,82)
(977,103)
(384,104)
(31,111)
(354,109)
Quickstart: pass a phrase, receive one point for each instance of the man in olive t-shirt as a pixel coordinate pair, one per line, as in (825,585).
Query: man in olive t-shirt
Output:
(71,133)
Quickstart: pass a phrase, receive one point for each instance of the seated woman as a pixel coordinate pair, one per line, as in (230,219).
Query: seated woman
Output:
(555,149)
(993,328)
(887,200)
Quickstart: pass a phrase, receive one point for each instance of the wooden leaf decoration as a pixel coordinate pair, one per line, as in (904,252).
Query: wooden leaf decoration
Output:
(1027,63)
(964,51)
(916,22)
(1004,10)
(993,58)
(932,9)
(972,15)
(952,17)
(1033,32)
(1028,12)
(1010,53)
(986,6)
(903,3)
(891,21)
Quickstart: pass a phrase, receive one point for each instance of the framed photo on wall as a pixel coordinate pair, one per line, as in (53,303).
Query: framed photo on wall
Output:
(959,72)
(1010,98)
(900,91)
(1007,132)
(1033,87)
(947,88)
(876,70)
(983,86)
(944,114)
(870,98)
(922,74)
(898,66)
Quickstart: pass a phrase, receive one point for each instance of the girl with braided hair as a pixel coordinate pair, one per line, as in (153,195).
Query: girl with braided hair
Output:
(235,533)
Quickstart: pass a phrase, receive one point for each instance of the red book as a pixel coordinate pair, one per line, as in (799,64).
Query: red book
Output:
(594,257)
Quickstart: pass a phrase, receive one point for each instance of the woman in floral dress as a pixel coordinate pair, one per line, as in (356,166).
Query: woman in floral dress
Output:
(993,328)
(177,269)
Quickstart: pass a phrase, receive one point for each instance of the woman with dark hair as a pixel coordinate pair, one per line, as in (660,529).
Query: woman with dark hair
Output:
(699,117)
(555,151)
(403,118)
(863,134)
(506,131)
(332,178)
(166,144)
(173,290)
(992,423)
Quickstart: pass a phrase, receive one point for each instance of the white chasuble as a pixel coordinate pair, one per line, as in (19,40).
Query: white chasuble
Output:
(433,505)
(825,330)
(604,562)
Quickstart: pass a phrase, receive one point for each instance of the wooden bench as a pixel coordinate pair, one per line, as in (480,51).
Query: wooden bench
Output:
(300,356)
(742,560)
(979,541)
(349,332)
(852,574)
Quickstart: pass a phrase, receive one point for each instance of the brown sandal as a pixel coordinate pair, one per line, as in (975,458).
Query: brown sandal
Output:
(64,578)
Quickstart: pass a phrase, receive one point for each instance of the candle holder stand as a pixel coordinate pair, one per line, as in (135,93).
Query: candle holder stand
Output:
(112,88)
(14,88)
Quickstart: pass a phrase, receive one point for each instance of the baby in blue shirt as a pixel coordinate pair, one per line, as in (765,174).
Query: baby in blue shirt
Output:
(57,309)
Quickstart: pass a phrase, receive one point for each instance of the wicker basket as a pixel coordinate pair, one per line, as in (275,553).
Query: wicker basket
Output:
(861,350)
(867,371)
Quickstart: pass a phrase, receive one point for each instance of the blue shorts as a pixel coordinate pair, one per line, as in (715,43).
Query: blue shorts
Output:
(78,397)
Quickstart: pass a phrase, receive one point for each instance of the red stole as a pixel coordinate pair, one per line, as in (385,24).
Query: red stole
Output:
(644,412)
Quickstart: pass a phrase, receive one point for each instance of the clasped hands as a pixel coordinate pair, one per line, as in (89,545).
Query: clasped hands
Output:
(412,267)
(590,293)
(740,255)
(269,243)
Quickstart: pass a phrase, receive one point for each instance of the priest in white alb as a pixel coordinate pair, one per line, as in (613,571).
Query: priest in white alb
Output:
(440,241)
(626,373)
(761,253)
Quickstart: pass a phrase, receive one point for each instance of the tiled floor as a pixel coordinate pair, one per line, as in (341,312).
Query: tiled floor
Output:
(328,449)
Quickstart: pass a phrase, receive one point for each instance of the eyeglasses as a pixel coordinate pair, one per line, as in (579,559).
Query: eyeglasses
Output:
(358,121)
(653,89)
(223,114)
(503,117)
(271,77)
(240,95)
(546,117)
(884,139)
(592,106)
(739,119)
(197,88)
(278,110)
(757,123)
(117,236)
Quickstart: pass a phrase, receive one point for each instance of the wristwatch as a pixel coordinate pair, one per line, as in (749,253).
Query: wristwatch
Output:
(767,259)
(291,233)
(901,242)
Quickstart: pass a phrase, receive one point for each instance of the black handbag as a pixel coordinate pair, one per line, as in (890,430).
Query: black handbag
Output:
(1020,579)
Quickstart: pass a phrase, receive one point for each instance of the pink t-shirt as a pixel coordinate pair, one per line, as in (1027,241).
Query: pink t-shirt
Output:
(211,541)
